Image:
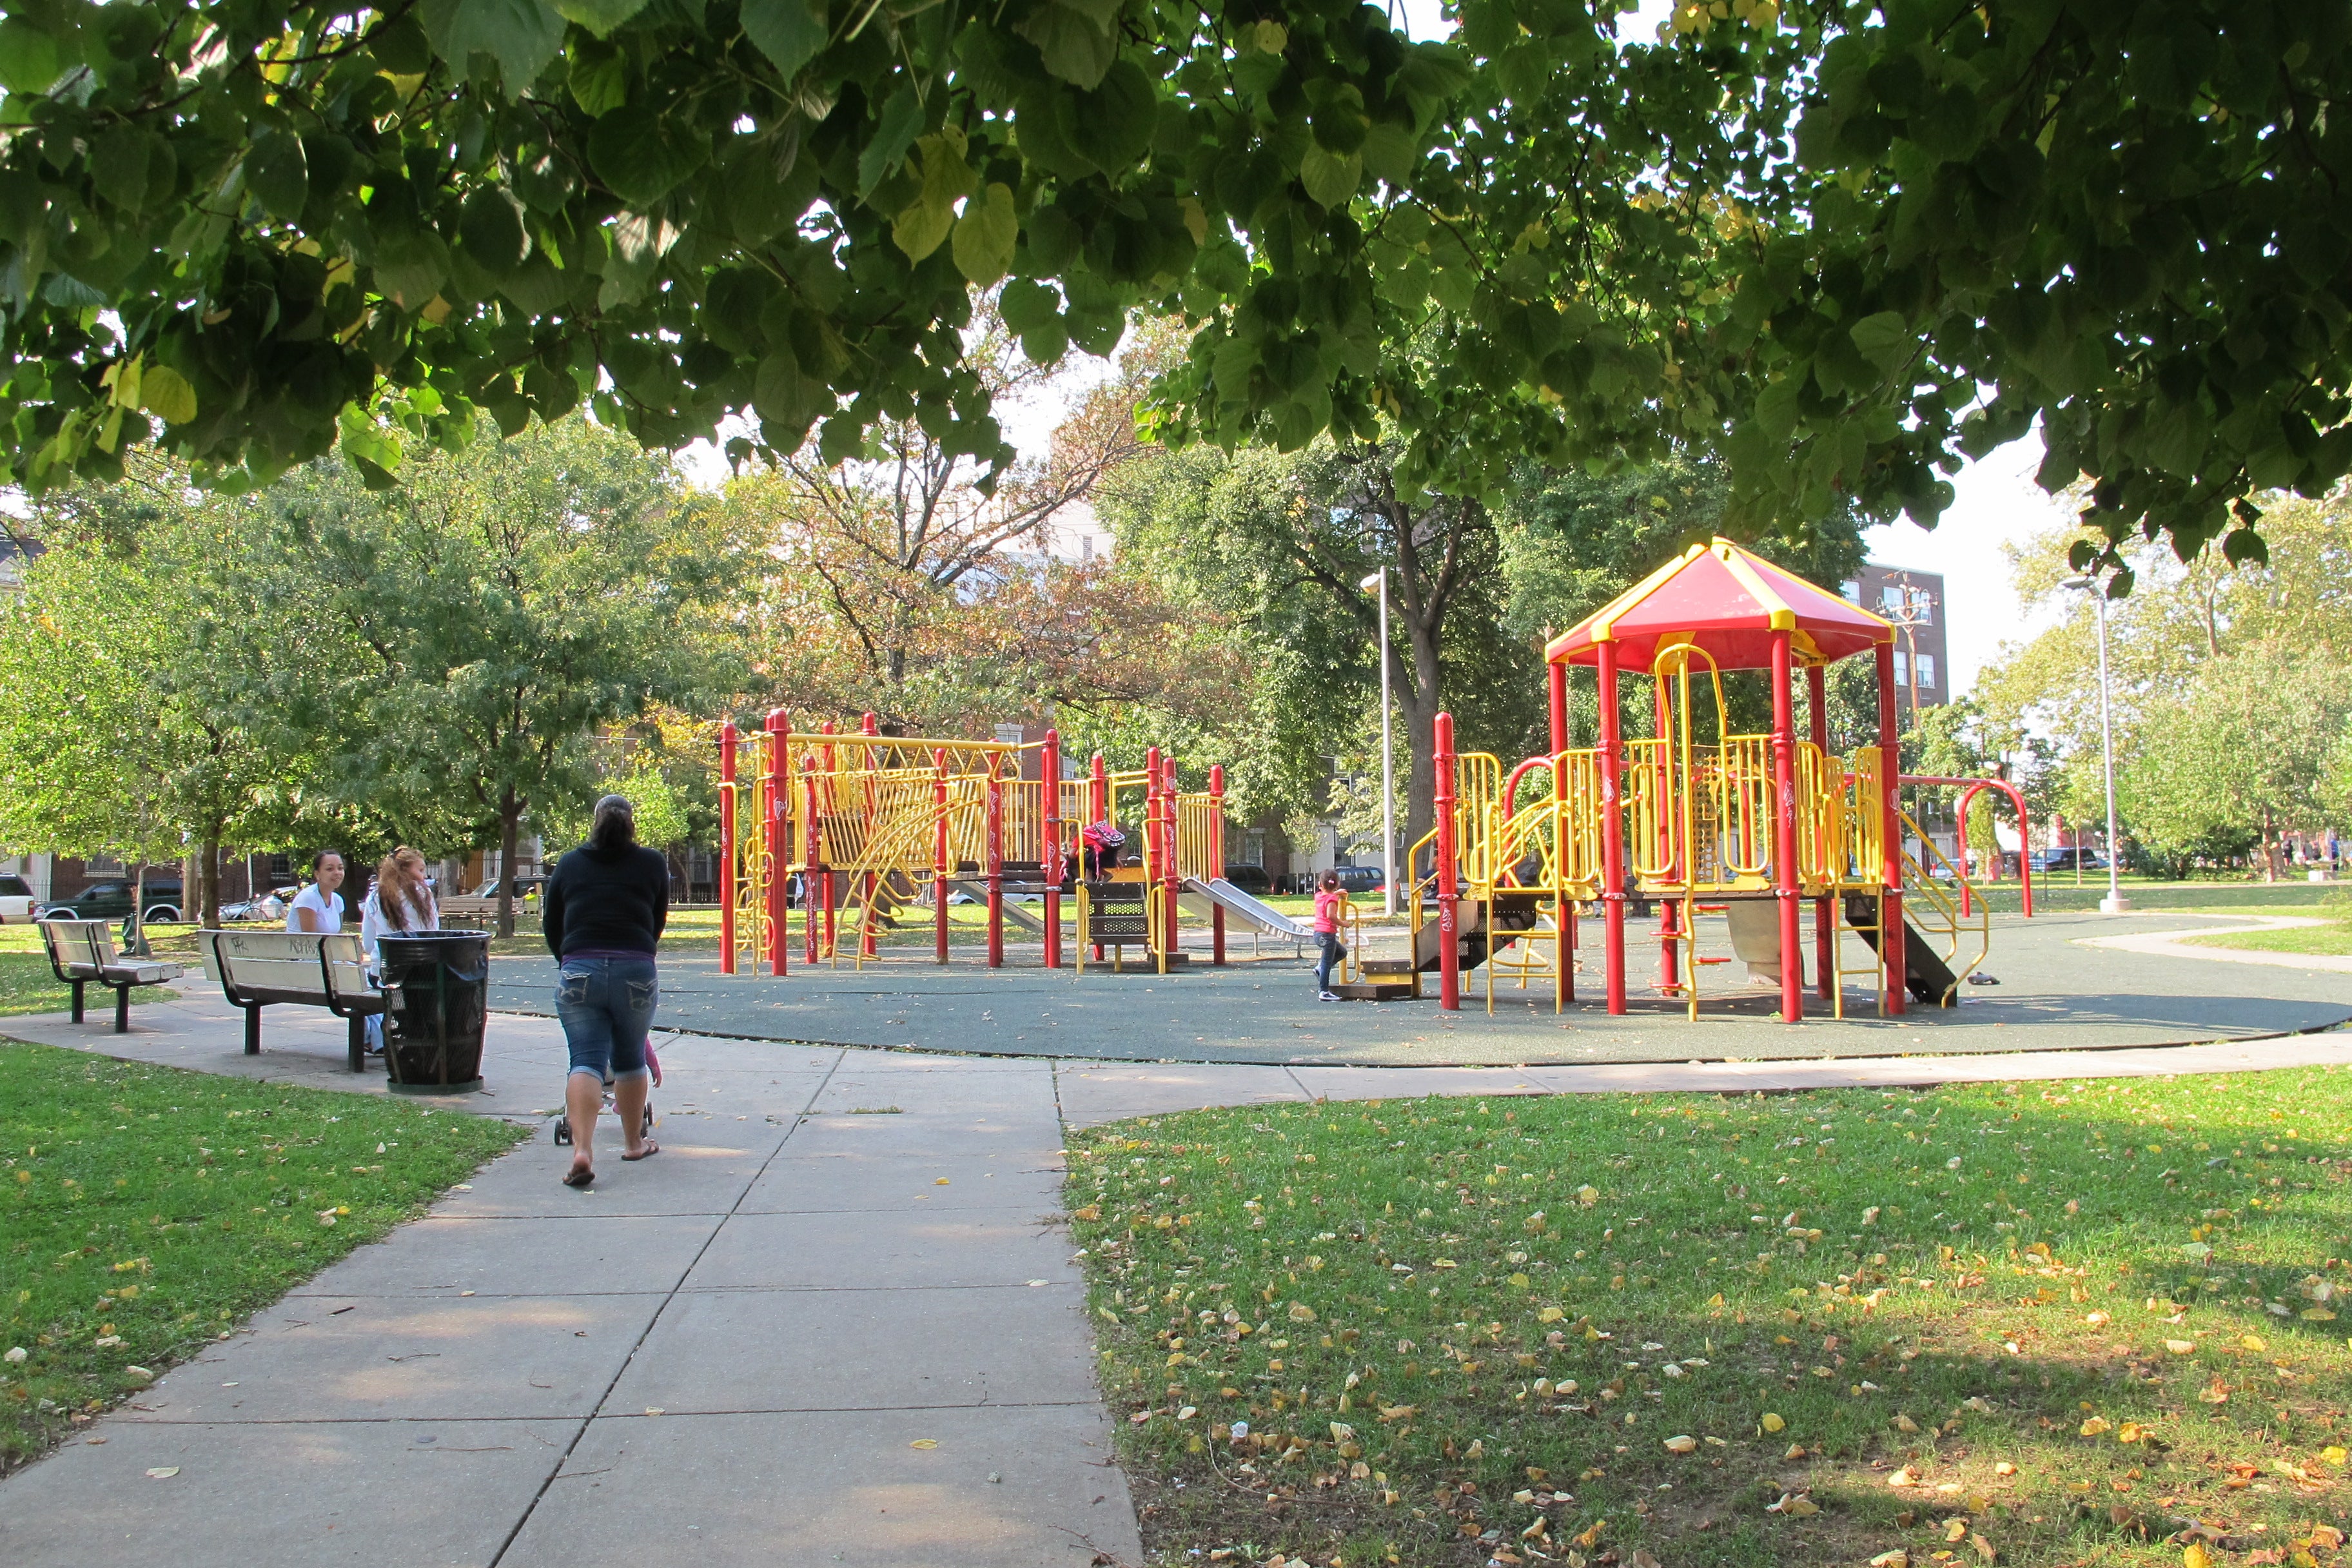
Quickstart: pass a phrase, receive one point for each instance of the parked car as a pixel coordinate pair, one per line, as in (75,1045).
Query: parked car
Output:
(111,901)
(2067,860)
(1250,879)
(525,887)
(16,900)
(1359,880)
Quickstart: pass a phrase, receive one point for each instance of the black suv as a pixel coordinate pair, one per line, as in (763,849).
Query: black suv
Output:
(111,901)
(1250,879)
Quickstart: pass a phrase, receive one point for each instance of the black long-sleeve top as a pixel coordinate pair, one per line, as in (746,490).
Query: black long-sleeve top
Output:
(607,902)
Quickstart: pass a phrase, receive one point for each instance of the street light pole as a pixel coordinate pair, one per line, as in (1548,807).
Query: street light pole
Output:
(1380,580)
(2115,903)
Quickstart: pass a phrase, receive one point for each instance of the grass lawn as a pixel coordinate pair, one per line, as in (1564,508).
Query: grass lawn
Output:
(2046,1325)
(145,1210)
(2332,940)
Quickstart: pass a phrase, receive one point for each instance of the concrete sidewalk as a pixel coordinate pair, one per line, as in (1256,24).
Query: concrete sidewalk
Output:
(835,1320)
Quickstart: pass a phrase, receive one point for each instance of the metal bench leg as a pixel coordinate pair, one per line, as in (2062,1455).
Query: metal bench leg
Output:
(358,1042)
(122,1009)
(253,1028)
(77,1000)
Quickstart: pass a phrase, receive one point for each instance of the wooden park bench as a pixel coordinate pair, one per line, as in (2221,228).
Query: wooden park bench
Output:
(258,969)
(82,952)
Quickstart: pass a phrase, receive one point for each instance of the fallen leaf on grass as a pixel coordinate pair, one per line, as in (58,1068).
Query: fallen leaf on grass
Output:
(1956,1530)
(2194,1555)
(1984,1548)
(1898,1558)
(1773,1422)
(1903,1478)
(2181,1347)
(1680,1444)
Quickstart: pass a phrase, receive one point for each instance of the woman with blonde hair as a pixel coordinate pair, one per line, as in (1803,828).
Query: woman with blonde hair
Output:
(401,901)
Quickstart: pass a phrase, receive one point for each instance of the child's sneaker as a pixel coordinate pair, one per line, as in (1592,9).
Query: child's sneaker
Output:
(1328,996)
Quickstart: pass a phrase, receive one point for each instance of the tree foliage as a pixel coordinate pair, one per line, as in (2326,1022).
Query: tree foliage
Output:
(1806,235)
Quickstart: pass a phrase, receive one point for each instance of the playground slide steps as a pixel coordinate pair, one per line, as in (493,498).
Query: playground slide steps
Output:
(1925,975)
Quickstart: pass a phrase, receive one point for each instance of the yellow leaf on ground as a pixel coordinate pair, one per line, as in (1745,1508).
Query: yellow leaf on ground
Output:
(1680,1444)
(2181,1347)
(1773,1422)
(2194,1555)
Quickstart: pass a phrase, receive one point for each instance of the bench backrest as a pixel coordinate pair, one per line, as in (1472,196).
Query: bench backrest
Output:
(79,945)
(286,965)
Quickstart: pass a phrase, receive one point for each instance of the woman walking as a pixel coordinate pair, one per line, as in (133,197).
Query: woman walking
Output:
(1328,899)
(605,907)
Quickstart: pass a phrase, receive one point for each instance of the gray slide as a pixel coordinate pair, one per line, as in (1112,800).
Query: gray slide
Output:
(1200,896)
(1014,912)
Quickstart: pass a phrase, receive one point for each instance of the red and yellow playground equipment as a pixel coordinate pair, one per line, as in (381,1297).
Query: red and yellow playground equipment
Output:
(855,828)
(1753,827)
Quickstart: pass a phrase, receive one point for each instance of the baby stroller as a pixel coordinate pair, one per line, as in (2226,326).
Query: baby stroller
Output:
(645,1124)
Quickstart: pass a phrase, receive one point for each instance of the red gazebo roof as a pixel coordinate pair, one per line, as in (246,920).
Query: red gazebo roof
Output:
(1728,602)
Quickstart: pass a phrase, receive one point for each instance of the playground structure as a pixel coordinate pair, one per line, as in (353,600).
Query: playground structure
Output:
(1751,827)
(857,829)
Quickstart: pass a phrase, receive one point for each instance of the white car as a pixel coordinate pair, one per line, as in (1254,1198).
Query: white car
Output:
(15,900)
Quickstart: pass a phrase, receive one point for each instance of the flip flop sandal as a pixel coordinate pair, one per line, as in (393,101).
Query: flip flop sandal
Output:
(648,1152)
(578,1177)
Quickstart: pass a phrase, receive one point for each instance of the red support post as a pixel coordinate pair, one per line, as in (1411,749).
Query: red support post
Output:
(779,831)
(1449,944)
(1896,978)
(1670,910)
(1784,831)
(1216,859)
(1049,764)
(726,847)
(1613,834)
(830,795)
(1171,878)
(1097,810)
(995,864)
(939,852)
(1825,937)
(1555,688)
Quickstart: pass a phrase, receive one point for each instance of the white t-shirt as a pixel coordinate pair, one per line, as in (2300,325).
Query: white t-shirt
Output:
(326,911)
(423,916)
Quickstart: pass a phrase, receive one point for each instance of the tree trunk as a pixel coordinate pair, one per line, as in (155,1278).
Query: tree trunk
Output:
(510,832)
(134,929)
(208,884)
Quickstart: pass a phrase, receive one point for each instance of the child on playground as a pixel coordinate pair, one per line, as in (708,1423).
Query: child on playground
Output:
(1328,899)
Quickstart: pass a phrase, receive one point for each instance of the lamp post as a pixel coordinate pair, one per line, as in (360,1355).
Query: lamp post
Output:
(1380,580)
(2115,903)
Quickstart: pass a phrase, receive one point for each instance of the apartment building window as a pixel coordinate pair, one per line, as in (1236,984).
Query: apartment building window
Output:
(1252,849)
(1926,670)
(1902,669)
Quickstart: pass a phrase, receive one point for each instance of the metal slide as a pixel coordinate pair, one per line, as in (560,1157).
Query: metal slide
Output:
(1200,896)
(1013,912)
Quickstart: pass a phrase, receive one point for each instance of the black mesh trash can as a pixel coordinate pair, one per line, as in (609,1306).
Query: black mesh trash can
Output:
(436,999)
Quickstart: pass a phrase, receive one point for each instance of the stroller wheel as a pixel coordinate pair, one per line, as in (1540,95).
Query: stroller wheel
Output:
(562,1132)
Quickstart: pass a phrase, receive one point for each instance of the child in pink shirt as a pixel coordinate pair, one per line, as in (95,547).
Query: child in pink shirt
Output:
(1328,899)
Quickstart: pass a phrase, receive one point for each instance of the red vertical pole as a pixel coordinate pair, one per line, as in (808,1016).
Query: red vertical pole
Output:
(1670,909)
(1449,945)
(727,848)
(939,852)
(1171,876)
(812,851)
(865,931)
(1613,834)
(1097,810)
(1555,688)
(1152,842)
(1784,831)
(1890,735)
(1817,705)
(1960,819)
(1216,859)
(995,864)
(778,829)
(1050,765)
(2024,851)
